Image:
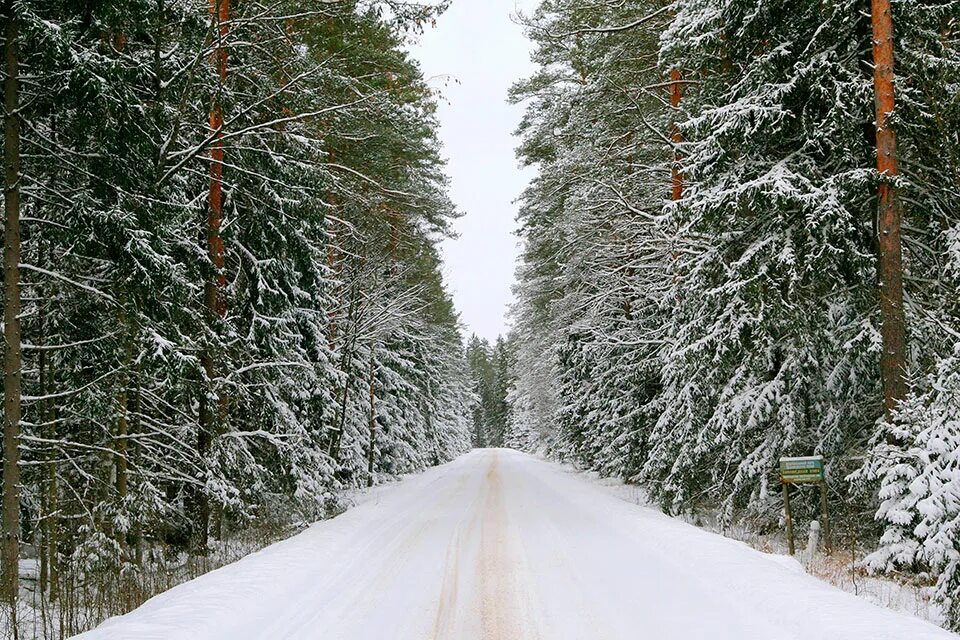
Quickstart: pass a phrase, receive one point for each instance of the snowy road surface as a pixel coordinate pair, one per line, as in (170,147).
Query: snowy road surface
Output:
(498,545)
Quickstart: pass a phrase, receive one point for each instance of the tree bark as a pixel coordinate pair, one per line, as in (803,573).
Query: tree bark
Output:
(123,413)
(133,451)
(889,214)
(201,503)
(427,403)
(216,303)
(346,358)
(11,314)
(45,511)
(53,503)
(334,267)
(120,448)
(214,298)
(372,453)
(47,553)
(676,95)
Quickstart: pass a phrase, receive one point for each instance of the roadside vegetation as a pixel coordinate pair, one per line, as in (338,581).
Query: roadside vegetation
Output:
(223,299)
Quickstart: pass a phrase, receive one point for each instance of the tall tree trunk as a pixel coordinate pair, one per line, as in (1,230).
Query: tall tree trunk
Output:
(120,448)
(123,415)
(201,508)
(133,454)
(47,553)
(676,94)
(216,303)
(334,265)
(51,530)
(215,299)
(11,314)
(42,361)
(346,358)
(372,453)
(427,402)
(889,213)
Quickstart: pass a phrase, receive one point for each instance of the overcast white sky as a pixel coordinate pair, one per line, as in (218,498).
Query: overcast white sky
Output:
(473,55)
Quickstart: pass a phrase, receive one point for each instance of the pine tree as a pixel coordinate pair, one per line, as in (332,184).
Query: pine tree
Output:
(705,285)
(159,418)
(595,262)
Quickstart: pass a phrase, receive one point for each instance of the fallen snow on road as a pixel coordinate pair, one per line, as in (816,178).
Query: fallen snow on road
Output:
(841,569)
(499,545)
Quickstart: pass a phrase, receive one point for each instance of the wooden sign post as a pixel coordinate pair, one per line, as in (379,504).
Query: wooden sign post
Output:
(807,470)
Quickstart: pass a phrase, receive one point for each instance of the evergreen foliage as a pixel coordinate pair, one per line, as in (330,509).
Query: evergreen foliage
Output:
(151,424)
(490,374)
(698,288)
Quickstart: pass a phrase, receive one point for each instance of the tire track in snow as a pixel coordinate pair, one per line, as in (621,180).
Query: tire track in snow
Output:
(446,609)
(362,575)
(506,602)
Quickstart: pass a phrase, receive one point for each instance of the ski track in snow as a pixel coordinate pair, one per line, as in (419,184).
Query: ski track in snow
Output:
(498,545)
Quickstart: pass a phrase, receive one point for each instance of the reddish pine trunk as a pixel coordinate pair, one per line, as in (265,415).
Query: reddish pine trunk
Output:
(889,213)
(676,94)
(11,315)
(216,303)
(214,292)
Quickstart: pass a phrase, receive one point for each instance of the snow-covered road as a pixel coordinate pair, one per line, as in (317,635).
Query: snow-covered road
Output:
(502,546)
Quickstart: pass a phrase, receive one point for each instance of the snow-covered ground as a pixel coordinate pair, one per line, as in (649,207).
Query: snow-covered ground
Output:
(499,545)
(842,569)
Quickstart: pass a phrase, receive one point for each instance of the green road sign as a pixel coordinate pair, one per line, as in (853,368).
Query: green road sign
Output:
(801,470)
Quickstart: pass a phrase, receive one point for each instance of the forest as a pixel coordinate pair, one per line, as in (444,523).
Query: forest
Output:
(223,300)
(742,243)
(225,313)
(489,373)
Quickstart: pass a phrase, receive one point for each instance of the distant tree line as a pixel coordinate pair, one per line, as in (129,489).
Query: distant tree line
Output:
(489,368)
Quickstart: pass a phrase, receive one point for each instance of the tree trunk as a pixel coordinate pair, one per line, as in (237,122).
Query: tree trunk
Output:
(427,403)
(120,448)
(11,315)
(372,454)
(122,427)
(133,455)
(893,359)
(216,303)
(201,507)
(346,358)
(53,503)
(214,298)
(42,365)
(334,267)
(47,552)
(676,94)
